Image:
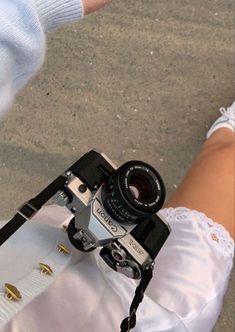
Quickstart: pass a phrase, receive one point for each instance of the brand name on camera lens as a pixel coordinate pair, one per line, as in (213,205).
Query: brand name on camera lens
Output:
(107,220)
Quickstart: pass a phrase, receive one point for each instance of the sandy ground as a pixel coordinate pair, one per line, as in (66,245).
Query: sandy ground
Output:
(139,80)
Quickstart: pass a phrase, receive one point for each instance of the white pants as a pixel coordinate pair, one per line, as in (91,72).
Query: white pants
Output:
(83,294)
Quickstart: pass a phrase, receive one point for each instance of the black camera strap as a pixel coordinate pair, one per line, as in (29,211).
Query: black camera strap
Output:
(129,322)
(29,209)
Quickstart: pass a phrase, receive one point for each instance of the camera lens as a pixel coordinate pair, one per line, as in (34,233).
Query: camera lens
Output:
(133,192)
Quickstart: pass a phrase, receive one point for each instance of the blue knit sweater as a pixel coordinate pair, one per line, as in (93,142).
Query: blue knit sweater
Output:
(23,24)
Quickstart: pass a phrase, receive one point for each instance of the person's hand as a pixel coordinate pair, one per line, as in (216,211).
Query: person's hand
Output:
(93,5)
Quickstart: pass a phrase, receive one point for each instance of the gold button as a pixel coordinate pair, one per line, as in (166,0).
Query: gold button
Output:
(12,293)
(62,248)
(45,269)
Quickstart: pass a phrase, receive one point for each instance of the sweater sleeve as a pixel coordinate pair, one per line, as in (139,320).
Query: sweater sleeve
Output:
(23,24)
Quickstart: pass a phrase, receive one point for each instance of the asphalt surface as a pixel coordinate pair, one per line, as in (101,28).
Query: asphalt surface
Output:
(138,80)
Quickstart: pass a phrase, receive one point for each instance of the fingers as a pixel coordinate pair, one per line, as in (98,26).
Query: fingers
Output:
(93,5)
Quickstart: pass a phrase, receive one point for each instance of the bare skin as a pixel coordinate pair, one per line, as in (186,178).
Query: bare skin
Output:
(209,184)
(92,5)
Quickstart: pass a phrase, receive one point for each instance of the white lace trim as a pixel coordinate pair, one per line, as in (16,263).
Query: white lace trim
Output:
(216,234)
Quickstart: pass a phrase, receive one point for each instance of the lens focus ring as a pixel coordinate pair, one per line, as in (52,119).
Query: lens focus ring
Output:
(133,192)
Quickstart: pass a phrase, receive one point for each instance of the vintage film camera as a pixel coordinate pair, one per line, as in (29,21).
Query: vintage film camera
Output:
(115,209)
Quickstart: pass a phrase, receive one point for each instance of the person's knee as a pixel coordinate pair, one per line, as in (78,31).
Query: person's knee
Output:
(221,152)
(221,142)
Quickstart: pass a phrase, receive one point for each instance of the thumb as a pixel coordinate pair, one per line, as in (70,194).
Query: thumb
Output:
(93,5)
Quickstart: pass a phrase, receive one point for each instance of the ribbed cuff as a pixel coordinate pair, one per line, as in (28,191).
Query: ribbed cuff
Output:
(54,13)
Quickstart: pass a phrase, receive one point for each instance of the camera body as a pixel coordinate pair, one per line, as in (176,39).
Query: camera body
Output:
(115,209)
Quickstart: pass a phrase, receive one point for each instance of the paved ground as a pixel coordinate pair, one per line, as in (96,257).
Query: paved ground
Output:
(142,79)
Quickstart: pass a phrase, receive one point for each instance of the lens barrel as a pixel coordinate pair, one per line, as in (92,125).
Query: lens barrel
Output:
(133,192)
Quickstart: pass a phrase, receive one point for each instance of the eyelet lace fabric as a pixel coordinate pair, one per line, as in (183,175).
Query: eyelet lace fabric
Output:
(215,233)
